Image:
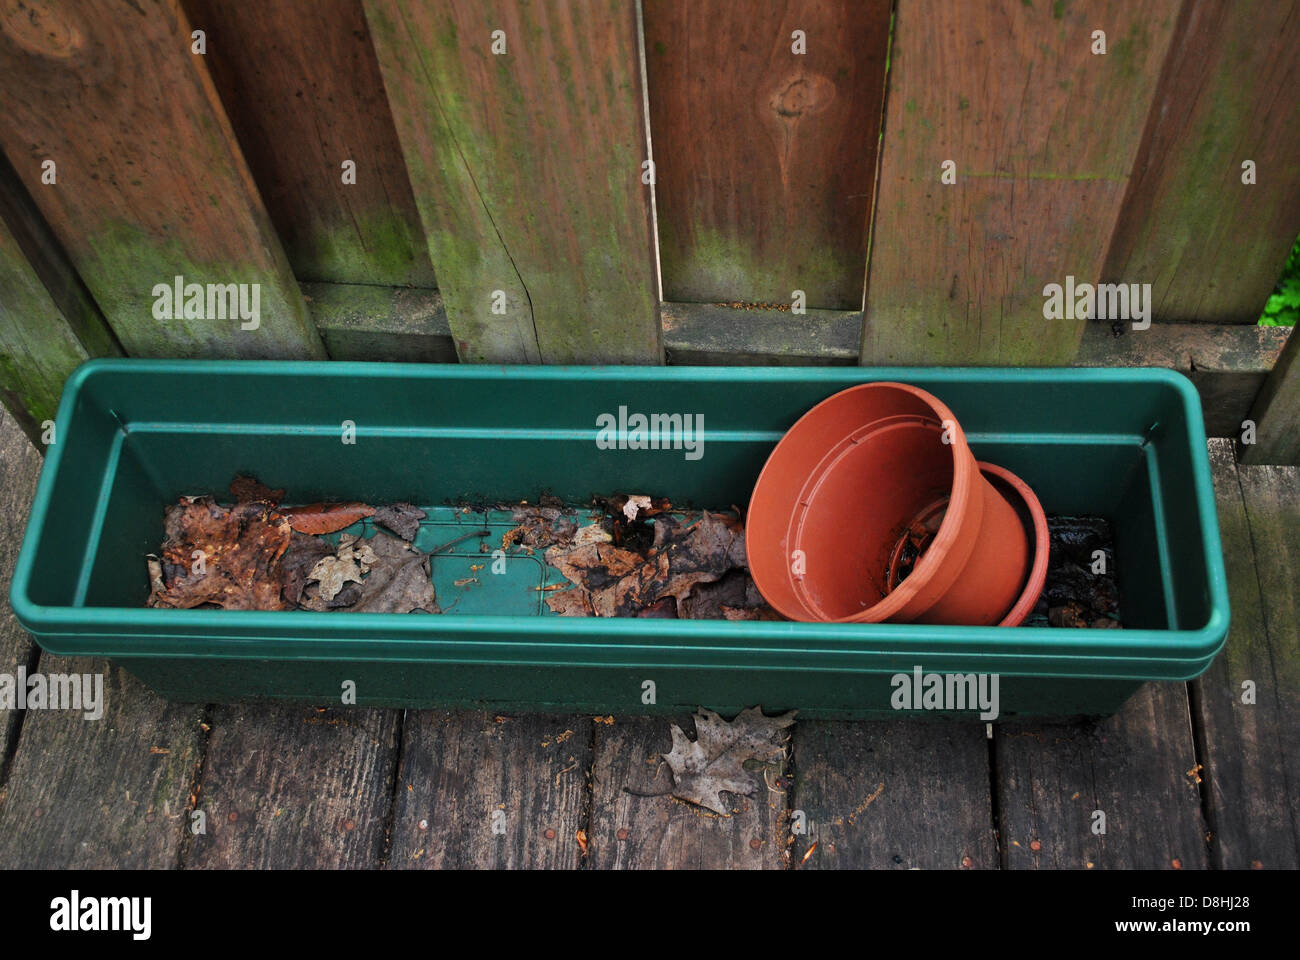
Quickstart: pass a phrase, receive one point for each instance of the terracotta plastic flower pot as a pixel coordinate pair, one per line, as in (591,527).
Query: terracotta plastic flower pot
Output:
(857,474)
(1034,521)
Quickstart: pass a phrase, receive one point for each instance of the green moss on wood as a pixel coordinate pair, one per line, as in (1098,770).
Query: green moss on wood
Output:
(121,265)
(38,345)
(719,267)
(504,182)
(374,247)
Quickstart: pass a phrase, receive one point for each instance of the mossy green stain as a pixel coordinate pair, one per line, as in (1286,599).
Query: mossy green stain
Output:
(1058,9)
(122,264)
(377,246)
(449,36)
(713,266)
(1129,50)
(564,66)
(38,346)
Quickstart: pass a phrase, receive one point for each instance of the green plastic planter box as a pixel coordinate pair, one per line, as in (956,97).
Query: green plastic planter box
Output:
(133,435)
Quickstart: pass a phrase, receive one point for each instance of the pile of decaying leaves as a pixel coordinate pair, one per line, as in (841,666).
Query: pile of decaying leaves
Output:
(640,560)
(259,555)
(633,558)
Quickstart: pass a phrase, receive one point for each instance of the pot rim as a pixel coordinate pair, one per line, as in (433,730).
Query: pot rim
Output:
(1037,578)
(960,499)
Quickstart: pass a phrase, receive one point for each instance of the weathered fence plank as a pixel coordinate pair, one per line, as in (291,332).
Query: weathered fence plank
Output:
(39,344)
(1246,712)
(1227,362)
(706,333)
(1276,412)
(114,127)
(1041,134)
(1272,498)
(765,156)
(1211,245)
(48,322)
(399,324)
(526,166)
(301,86)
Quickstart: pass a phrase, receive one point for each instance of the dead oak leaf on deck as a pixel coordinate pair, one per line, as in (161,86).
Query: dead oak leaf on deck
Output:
(714,761)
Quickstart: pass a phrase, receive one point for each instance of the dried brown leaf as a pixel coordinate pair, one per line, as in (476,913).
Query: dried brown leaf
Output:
(331,573)
(750,613)
(346,597)
(155,566)
(319,518)
(227,557)
(622,582)
(246,489)
(401,518)
(399,580)
(714,761)
(303,554)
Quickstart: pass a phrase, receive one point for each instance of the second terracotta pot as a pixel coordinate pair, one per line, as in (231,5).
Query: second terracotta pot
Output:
(859,474)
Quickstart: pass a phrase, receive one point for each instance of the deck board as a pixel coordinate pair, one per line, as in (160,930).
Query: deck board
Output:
(1137,767)
(475,790)
(107,793)
(1272,497)
(287,787)
(1251,800)
(894,795)
(636,824)
(20,465)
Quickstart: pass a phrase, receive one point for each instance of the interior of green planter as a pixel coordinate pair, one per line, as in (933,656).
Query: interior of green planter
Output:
(139,441)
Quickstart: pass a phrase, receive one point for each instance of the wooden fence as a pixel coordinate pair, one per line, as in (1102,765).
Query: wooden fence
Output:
(683,181)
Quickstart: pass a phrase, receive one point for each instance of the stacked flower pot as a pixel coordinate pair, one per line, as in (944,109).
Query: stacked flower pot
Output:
(873,508)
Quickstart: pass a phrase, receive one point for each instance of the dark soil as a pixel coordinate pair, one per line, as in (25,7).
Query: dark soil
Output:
(1075,595)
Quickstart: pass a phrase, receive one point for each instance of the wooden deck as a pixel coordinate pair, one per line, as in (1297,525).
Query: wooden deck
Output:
(1187,775)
